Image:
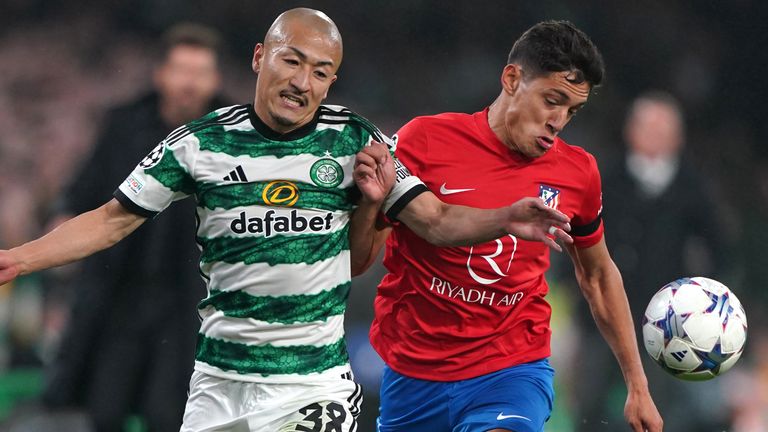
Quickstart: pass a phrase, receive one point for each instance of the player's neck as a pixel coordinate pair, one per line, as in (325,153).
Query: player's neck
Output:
(497,122)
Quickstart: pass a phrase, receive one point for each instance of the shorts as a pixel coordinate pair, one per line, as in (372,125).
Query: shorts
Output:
(219,405)
(517,398)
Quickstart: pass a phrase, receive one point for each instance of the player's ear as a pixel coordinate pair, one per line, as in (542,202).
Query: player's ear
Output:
(511,77)
(258,55)
(333,80)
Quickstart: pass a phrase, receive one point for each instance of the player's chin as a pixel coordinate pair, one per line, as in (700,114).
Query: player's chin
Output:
(286,120)
(534,152)
(538,152)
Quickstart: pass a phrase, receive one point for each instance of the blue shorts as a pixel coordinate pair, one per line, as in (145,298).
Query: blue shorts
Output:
(518,398)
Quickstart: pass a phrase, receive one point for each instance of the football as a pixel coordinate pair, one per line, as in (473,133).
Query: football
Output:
(695,328)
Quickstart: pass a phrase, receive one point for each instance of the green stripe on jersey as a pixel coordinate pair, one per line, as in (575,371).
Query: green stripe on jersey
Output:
(278,249)
(171,174)
(250,143)
(268,359)
(284,309)
(247,194)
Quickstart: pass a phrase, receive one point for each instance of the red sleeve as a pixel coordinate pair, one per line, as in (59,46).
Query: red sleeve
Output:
(411,146)
(587,224)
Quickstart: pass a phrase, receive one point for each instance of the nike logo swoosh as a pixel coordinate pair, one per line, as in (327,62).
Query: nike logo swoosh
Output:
(501,416)
(445,191)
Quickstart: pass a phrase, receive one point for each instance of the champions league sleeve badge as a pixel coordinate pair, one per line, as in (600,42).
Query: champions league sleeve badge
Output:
(550,196)
(153,158)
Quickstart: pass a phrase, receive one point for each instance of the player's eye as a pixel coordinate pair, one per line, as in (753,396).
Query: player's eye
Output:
(321,74)
(292,62)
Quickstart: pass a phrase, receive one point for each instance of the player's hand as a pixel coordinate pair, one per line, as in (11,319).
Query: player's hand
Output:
(531,219)
(374,172)
(641,413)
(9,267)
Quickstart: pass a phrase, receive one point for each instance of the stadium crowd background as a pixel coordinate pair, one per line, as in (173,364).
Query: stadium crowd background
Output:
(62,64)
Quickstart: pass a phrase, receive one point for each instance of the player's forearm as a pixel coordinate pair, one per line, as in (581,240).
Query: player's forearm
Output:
(608,301)
(77,238)
(455,225)
(363,244)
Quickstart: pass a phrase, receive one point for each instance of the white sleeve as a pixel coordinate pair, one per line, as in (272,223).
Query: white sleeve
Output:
(162,177)
(407,186)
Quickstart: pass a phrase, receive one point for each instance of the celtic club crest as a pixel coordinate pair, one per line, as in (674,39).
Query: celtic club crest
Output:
(326,173)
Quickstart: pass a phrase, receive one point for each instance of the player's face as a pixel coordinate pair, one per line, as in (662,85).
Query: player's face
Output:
(295,74)
(187,81)
(535,110)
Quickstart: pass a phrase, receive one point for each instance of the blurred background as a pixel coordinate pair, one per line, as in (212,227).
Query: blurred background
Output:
(63,65)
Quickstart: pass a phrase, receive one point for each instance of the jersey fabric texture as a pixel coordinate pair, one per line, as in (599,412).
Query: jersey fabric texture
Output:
(518,399)
(273,217)
(469,311)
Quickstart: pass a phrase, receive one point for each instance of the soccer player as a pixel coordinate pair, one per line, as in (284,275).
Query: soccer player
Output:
(464,331)
(275,184)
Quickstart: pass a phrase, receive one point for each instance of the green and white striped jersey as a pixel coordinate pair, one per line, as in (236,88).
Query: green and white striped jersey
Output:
(273,219)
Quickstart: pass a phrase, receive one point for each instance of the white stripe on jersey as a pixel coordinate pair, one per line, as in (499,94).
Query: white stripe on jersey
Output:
(338,127)
(262,279)
(341,117)
(249,331)
(244,125)
(335,109)
(213,167)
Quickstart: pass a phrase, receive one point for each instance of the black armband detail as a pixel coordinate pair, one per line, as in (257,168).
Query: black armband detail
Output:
(585,230)
(132,206)
(403,201)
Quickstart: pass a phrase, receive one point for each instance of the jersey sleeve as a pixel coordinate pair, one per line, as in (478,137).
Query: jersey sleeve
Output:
(162,177)
(408,147)
(587,225)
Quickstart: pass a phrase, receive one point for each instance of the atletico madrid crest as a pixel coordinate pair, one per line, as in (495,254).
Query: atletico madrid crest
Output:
(549,195)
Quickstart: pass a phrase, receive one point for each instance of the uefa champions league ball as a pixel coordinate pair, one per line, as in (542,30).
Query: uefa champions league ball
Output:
(695,328)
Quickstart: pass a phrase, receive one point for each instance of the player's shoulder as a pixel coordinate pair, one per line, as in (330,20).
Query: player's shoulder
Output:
(338,114)
(215,121)
(575,154)
(443,123)
(228,115)
(446,118)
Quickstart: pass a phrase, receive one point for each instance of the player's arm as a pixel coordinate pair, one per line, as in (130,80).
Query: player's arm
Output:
(601,285)
(77,238)
(374,174)
(453,225)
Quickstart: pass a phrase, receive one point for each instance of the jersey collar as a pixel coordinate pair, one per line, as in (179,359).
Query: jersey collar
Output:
(293,135)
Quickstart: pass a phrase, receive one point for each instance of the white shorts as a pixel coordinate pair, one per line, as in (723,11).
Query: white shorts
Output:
(223,405)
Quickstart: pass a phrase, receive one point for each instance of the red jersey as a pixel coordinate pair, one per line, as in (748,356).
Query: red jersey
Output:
(453,313)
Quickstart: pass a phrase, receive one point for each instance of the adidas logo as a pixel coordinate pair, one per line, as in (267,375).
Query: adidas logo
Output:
(679,355)
(236,175)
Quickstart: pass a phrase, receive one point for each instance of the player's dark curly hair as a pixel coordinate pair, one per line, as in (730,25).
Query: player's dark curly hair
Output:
(557,46)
